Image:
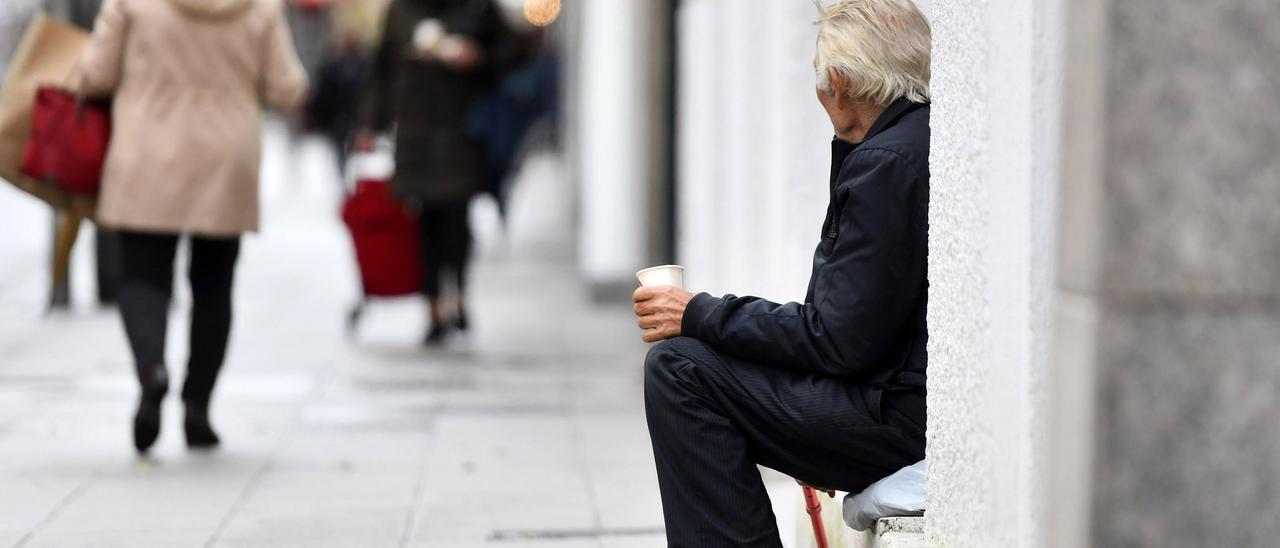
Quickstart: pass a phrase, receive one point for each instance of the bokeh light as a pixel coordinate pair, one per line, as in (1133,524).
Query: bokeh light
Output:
(541,12)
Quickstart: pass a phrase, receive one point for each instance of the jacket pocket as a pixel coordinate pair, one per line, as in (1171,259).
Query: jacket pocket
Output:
(830,229)
(828,243)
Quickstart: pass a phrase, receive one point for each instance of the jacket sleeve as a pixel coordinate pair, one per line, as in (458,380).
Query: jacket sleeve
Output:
(102,63)
(284,80)
(862,297)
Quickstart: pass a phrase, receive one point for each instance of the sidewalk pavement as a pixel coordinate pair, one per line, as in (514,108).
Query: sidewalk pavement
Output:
(529,431)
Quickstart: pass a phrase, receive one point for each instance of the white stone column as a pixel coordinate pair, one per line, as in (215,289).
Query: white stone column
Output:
(619,122)
(996,99)
(753,147)
(700,142)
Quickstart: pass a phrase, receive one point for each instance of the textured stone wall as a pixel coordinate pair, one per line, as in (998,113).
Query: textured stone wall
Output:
(960,461)
(1187,279)
(997,75)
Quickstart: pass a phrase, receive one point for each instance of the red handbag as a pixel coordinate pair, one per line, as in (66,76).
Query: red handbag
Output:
(69,139)
(386,240)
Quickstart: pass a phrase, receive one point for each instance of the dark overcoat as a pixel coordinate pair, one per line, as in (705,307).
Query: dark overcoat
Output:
(864,316)
(437,161)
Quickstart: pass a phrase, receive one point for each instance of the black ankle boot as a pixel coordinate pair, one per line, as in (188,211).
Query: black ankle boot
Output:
(435,336)
(146,422)
(461,322)
(200,434)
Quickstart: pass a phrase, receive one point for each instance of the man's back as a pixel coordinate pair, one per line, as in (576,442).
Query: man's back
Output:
(863,318)
(890,169)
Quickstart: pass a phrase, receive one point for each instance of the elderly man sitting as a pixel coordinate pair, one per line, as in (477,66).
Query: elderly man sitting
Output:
(830,391)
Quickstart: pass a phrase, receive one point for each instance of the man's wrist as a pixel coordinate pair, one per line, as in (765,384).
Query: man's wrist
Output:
(695,314)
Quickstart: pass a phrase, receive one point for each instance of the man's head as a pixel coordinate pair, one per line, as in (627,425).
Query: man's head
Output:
(870,53)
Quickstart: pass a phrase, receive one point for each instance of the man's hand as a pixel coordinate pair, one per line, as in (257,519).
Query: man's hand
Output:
(459,53)
(363,141)
(660,309)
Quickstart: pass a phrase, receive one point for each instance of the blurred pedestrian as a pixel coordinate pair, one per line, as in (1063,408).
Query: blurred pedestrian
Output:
(187,79)
(14,17)
(80,13)
(435,58)
(336,95)
(311,25)
(503,118)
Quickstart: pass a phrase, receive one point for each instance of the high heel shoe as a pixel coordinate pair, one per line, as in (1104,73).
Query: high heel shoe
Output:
(200,434)
(146,422)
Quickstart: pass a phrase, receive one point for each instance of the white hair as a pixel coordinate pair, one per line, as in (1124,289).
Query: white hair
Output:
(881,47)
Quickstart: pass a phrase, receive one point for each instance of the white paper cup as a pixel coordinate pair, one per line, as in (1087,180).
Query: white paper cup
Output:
(668,274)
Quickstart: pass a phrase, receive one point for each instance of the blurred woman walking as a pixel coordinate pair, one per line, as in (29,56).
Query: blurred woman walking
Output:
(435,58)
(187,78)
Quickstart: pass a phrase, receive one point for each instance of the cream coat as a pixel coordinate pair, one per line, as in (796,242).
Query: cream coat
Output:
(188,79)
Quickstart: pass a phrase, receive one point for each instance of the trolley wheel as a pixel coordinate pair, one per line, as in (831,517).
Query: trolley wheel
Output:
(353,317)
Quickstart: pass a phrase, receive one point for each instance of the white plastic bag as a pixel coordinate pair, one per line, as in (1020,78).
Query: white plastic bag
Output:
(378,163)
(900,494)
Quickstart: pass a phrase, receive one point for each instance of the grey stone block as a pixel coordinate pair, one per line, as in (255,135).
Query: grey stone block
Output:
(1192,174)
(1187,438)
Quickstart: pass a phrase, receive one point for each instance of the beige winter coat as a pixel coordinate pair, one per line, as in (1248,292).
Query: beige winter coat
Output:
(188,79)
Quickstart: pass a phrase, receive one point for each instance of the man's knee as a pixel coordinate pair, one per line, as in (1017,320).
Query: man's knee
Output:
(671,359)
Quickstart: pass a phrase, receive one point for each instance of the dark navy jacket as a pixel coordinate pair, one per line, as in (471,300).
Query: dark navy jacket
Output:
(864,316)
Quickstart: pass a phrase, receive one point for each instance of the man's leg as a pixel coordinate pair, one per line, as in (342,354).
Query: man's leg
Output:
(712,494)
(712,418)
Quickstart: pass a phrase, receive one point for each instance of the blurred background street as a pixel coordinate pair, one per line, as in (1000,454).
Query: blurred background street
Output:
(1103,274)
(530,430)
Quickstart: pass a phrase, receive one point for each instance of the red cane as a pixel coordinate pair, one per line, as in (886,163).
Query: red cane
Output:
(814,507)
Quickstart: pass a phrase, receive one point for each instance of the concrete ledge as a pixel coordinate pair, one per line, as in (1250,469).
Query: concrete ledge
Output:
(896,533)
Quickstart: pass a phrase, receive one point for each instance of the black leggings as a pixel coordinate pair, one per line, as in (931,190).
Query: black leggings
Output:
(446,246)
(146,267)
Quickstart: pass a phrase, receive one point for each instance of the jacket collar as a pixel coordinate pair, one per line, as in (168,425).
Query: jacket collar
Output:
(891,115)
(841,148)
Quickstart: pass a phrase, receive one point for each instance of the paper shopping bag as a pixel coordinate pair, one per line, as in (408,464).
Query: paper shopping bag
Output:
(49,53)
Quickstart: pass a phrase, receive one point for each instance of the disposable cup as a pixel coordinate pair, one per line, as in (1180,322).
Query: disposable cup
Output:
(667,274)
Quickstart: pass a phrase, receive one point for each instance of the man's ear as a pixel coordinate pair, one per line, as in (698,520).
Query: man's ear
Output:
(839,86)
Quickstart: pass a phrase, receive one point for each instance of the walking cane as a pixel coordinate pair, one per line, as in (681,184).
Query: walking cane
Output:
(814,507)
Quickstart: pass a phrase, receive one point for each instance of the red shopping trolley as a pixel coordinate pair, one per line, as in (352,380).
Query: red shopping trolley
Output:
(385,235)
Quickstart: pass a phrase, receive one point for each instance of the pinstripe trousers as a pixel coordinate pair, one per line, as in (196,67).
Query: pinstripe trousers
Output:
(713,418)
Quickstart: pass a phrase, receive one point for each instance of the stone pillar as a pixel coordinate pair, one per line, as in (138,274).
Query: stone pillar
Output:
(1169,308)
(996,88)
(619,119)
